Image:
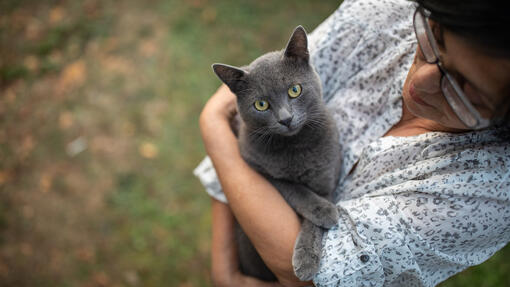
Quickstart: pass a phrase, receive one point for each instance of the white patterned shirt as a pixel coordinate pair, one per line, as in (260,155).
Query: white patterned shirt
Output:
(415,210)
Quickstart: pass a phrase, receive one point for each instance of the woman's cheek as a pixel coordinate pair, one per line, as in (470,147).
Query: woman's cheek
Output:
(472,94)
(419,58)
(428,79)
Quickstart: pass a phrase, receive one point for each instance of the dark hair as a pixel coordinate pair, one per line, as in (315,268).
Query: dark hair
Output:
(485,23)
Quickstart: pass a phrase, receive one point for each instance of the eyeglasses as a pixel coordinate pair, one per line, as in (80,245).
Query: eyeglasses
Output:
(452,91)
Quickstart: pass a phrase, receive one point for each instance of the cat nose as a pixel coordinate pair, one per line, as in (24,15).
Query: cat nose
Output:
(284,117)
(286,121)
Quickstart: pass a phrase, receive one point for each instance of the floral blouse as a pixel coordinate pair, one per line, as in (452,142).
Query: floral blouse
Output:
(415,210)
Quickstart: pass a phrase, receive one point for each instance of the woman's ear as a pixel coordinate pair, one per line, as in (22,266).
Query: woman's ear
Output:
(438,32)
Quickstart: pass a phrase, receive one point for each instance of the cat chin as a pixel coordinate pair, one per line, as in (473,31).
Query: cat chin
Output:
(288,132)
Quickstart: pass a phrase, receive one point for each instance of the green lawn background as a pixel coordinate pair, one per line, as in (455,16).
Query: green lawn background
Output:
(99,135)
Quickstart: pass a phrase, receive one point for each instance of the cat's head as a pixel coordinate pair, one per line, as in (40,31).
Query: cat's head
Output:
(279,92)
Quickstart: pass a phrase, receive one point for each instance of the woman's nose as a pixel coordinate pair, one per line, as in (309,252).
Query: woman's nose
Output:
(428,79)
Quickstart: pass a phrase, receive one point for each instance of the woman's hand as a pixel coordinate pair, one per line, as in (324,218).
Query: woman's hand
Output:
(219,140)
(221,106)
(225,263)
(217,114)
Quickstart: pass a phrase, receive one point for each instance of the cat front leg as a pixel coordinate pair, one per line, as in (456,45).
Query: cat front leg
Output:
(308,204)
(307,251)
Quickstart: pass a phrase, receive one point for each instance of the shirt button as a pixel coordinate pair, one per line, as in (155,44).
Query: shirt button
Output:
(364,258)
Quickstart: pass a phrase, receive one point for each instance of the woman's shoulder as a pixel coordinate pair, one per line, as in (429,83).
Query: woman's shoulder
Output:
(370,36)
(472,164)
(382,12)
(484,144)
(364,17)
(474,159)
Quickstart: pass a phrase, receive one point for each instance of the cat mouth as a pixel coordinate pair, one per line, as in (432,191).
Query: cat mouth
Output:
(289,130)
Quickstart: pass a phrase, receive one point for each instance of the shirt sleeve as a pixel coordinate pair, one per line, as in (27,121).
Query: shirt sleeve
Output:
(376,244)
(207,175)
(418,224)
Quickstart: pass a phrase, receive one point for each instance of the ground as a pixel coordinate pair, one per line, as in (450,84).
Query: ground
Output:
(99,135)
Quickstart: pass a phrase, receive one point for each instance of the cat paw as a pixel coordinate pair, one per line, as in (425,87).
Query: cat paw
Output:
(306,263)
(325,216)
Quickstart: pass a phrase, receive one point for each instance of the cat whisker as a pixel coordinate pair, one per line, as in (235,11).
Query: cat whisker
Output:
(260,135)
(316,123)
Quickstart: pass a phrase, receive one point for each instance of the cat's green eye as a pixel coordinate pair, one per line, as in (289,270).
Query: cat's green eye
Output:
(294,91)
(261,105)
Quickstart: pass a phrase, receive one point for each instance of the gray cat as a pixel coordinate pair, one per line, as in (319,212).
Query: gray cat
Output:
(287,135)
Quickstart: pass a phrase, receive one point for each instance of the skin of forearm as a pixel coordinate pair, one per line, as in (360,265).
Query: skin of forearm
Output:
(224,258)
(266,218)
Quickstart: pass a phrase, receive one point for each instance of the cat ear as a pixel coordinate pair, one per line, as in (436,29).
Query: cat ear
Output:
(233,77)
(297,48)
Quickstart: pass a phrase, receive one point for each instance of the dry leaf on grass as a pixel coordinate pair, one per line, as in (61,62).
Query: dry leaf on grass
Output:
(56,15)
(148,150)
(72,77)
(65,120)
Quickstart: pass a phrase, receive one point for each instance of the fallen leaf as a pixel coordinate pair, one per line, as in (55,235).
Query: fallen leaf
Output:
(85,254)
(77,146)
(148,48)
(72,77)
(132,278)
(198,3)
(65,120)
(33,29)
(45,182)
(118,65)
(101,278)
(148,150)
(4,269)
(4,176)
(56,15)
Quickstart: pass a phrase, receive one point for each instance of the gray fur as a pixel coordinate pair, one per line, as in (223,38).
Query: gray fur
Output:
(294,144)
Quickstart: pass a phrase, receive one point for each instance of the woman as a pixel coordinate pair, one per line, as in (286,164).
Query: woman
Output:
(424,189)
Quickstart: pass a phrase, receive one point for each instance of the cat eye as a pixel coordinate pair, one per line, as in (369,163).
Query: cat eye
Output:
(261,105)
(294,91)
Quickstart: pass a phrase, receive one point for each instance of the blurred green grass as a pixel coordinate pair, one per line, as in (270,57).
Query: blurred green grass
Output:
(99,112)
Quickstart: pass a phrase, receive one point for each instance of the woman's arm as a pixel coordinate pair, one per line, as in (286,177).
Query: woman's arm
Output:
(225,263)
(266,218)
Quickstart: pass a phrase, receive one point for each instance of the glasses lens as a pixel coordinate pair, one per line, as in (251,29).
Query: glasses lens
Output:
(458,106)
(420,28)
